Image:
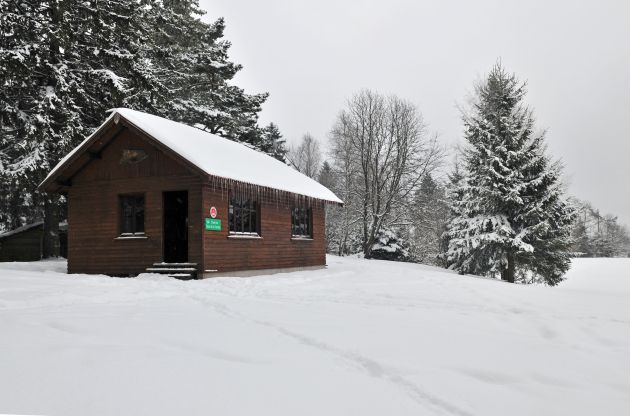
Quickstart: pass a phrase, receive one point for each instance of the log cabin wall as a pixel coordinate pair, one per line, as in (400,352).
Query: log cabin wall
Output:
(94,211)
(276,248)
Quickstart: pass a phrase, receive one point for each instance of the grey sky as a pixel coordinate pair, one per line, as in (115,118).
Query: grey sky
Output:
(311,55)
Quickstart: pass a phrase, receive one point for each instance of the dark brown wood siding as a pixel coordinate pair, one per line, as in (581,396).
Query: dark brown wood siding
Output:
(93,217)
(276,248)
(22,246)
(93,209)
(25,244)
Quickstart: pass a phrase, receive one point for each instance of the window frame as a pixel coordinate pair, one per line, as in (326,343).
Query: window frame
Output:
(304,213)
(253,207)
(121,216)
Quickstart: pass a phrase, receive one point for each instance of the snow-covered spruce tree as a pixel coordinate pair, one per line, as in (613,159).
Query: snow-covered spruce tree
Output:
(267,140)
(273,144)
(513,219)
(454,194)
(38,109)
(326,175)
(189,58)
(14,59)
(113,41)
(582,245)
(63,63)
(160,57)
(428,215)
(388,245)
(328,178)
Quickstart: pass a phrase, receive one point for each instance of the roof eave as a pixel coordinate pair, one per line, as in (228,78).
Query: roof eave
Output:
(51,183)
(210,177)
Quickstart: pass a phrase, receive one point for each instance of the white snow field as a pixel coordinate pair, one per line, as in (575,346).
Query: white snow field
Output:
(359,338)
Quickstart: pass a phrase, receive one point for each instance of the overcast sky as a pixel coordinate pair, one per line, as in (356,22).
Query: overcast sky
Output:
(575,55)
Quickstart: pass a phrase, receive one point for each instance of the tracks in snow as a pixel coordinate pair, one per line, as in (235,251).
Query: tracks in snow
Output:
(358,361)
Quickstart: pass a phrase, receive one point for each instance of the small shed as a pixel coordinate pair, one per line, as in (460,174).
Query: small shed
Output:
(25,243)
(149,194)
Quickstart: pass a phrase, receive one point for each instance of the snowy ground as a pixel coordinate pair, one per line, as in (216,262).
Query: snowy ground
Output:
(360,338)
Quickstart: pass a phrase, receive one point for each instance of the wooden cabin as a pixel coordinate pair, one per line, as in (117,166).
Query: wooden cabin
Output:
(150,194)
(26,242)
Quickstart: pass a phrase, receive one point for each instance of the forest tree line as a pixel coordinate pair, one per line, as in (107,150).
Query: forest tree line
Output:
(499,209)
(422,239)
(597,235)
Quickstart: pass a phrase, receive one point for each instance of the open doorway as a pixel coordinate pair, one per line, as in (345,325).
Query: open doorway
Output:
(175,227)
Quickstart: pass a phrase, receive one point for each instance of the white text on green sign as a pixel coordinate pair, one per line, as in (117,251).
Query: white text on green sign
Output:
(213,224)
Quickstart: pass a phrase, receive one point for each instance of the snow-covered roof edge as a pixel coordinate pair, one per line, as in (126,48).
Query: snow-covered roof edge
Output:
(296,182)
(62,226)
(18,230)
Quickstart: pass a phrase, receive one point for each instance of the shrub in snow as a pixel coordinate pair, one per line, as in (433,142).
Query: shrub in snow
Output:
(389,246)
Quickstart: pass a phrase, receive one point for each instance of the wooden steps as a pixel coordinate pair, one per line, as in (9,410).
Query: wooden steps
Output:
(183,271)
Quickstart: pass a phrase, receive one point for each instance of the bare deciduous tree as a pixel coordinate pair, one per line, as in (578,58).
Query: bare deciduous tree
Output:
(381,152)
(343,221)
(307,156)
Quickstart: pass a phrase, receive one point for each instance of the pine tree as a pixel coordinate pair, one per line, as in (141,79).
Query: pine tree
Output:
(273,144)
(454,195)
(113,41)
(429,213)
(267,140)
(39,109)
(18,38)
(512,220)
(326,175)
(582,242)
(329,178)
(388,245)
(63,63)
(189,60)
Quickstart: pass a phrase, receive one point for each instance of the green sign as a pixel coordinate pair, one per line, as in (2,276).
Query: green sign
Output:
(213,224)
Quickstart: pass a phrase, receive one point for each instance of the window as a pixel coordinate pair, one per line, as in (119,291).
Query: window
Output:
(301,222)
(243,216)
(131,214)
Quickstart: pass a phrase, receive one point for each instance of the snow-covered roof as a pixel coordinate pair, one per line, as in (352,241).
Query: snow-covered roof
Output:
(62,227)
(20,229)
(216,156)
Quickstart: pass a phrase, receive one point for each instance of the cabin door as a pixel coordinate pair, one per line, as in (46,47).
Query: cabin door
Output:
(176,227)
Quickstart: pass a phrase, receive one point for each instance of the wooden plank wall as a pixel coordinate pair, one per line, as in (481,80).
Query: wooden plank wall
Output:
(93,217)
(93,210)
(23,246)
(276,249)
